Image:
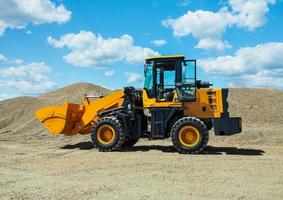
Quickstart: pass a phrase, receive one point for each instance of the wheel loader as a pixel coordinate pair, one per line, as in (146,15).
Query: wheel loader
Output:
(173,104)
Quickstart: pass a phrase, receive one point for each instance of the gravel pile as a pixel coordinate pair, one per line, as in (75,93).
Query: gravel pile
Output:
(17,120)
(262,107)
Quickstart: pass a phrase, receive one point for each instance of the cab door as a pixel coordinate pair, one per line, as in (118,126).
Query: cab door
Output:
(159,88)
(158,99)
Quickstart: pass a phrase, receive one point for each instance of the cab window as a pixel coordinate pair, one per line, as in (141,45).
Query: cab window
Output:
(148,83)
(165,83)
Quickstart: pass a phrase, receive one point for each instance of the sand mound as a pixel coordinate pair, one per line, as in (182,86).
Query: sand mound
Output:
(74,93)
(17,114)
(260,109)
(262,117)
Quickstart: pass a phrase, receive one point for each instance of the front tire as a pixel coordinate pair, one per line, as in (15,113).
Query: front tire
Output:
(189,135)
(107,134)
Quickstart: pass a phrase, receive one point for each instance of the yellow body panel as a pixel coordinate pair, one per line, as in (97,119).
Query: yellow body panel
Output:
(154,103)
(108,102)
(71,119)
(208,104)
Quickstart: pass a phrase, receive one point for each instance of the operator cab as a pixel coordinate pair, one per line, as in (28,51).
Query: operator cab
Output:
(166,74)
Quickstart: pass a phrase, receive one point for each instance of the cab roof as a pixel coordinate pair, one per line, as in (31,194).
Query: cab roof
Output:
(170,57)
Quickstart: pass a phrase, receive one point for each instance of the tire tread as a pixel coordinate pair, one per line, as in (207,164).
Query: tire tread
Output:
(203,131)
(118,128)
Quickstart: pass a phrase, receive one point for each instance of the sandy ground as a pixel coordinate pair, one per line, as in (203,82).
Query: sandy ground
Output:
(36,165)
(71,169)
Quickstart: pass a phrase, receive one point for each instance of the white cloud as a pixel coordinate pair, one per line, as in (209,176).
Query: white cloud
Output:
(264,78)
(184,3)
(109,73)
(2,58)
(213,45)
(18,61)
(201,24)
(92,50)
(250,13)
(133,77)
(27,79)
(19,13)
(259,66)
(158,43)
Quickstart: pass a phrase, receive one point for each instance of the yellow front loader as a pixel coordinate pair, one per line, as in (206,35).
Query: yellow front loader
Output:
(173,103)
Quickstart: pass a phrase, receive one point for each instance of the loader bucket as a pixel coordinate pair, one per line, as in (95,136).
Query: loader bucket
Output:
(60,119)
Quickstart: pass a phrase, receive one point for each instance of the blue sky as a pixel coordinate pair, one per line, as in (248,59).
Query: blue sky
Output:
(48,44)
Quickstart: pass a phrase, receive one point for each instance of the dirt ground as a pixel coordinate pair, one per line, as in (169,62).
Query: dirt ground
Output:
(70,168)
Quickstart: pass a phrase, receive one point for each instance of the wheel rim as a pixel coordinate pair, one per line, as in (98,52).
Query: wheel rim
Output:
(189,136)
(105,134)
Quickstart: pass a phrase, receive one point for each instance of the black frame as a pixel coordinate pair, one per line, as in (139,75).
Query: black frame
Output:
(178,61)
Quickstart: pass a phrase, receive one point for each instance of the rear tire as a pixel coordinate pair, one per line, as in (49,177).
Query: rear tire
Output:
(189,135)
(107,134)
